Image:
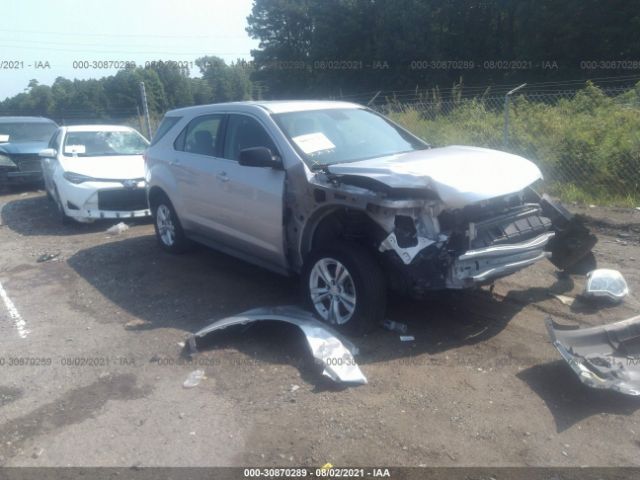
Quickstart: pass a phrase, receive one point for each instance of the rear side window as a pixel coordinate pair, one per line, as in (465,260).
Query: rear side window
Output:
(165,126)
(201,136)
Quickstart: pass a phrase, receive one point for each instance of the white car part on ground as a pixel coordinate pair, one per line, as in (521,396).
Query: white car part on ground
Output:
(606,283)
(329,349)
(604,357)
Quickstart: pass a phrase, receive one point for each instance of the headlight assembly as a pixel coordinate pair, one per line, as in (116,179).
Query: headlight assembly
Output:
(76,178)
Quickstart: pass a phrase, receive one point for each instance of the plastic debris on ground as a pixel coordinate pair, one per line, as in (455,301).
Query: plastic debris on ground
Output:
(47,257)
(395,326)
(328,347)
(118,228)
(138,324)
(194,379)
(564,299)
(606,283)
(604,357)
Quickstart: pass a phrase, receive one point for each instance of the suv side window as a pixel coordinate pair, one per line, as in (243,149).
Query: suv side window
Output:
(245,132)
(201,136)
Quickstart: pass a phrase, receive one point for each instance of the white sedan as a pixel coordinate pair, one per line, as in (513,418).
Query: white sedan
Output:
(96,171)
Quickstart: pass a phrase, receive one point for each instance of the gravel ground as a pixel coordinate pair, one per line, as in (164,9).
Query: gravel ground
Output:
(93,377)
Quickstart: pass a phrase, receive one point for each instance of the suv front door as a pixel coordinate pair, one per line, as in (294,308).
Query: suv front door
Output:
(252,198)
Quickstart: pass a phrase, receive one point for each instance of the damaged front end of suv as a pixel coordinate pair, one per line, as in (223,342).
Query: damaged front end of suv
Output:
(433,219)
(436,233)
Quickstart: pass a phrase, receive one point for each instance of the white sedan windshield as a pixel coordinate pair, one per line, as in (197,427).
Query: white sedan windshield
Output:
(101,143)
(325,137)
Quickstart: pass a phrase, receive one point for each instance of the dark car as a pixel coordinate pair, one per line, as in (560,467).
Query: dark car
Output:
(21,139)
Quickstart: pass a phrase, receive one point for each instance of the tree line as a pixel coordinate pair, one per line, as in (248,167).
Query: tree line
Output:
(167,85)
(348,46)
(338,48)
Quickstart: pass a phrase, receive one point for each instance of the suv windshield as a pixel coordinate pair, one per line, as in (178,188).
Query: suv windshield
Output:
(96,144)
(22,132)
(325,137)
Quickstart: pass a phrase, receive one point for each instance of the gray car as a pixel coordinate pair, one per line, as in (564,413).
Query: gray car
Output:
(21,139)
(350,201)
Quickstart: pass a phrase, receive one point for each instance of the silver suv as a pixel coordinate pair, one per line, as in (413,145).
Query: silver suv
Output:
(350,201)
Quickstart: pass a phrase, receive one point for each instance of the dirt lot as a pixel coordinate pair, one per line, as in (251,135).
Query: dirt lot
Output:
(481,385)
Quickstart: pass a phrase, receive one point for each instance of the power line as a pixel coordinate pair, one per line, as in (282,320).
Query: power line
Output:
(129,52)
(75,44)
(119,35)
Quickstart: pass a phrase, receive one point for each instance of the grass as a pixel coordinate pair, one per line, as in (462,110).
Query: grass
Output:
(588,145)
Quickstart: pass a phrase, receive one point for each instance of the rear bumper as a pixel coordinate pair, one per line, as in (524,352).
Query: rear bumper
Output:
(483,265)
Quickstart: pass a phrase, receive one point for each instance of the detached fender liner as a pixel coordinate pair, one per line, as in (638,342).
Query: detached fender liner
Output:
(328,347)
(605,357)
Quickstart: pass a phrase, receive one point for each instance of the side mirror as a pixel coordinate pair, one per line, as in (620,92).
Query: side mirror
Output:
(48,153)
(259,157)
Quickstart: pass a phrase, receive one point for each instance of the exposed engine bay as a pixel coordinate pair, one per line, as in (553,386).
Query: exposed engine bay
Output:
(424,244)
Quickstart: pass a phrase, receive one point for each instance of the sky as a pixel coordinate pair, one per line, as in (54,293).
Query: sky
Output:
(46,39)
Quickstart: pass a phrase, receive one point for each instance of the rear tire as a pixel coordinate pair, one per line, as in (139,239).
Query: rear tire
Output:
(169,232)
(344,286)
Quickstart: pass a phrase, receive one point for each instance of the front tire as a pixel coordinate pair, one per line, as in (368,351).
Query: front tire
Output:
(169,233)
(344,286)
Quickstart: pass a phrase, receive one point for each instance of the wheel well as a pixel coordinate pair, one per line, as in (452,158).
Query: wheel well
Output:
(345,224)
(155,194)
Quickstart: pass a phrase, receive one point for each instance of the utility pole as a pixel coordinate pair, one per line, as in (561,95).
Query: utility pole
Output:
(140,121)
(507,98)
(145,109)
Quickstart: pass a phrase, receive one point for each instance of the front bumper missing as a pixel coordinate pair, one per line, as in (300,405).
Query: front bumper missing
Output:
(88,215)
(329,349)
(484,265)
(604,357)
(82,201)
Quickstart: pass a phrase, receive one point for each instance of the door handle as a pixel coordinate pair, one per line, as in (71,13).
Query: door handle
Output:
(174,163)
(222,176)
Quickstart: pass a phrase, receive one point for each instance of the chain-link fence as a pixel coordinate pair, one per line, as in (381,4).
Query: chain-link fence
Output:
(586,141)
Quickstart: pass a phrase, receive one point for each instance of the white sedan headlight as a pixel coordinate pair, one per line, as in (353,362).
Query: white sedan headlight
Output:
(76,177)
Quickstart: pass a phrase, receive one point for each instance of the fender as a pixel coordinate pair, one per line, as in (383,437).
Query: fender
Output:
(163,180)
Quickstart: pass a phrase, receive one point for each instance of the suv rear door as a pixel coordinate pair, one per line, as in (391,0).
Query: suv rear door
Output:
(196,162)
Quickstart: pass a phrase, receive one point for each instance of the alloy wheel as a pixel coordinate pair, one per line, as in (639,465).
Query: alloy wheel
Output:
(166,227)
(332,291)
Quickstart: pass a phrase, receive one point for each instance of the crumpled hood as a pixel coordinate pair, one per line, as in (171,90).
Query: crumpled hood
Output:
(22,148)
(459,175)
(118,167)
